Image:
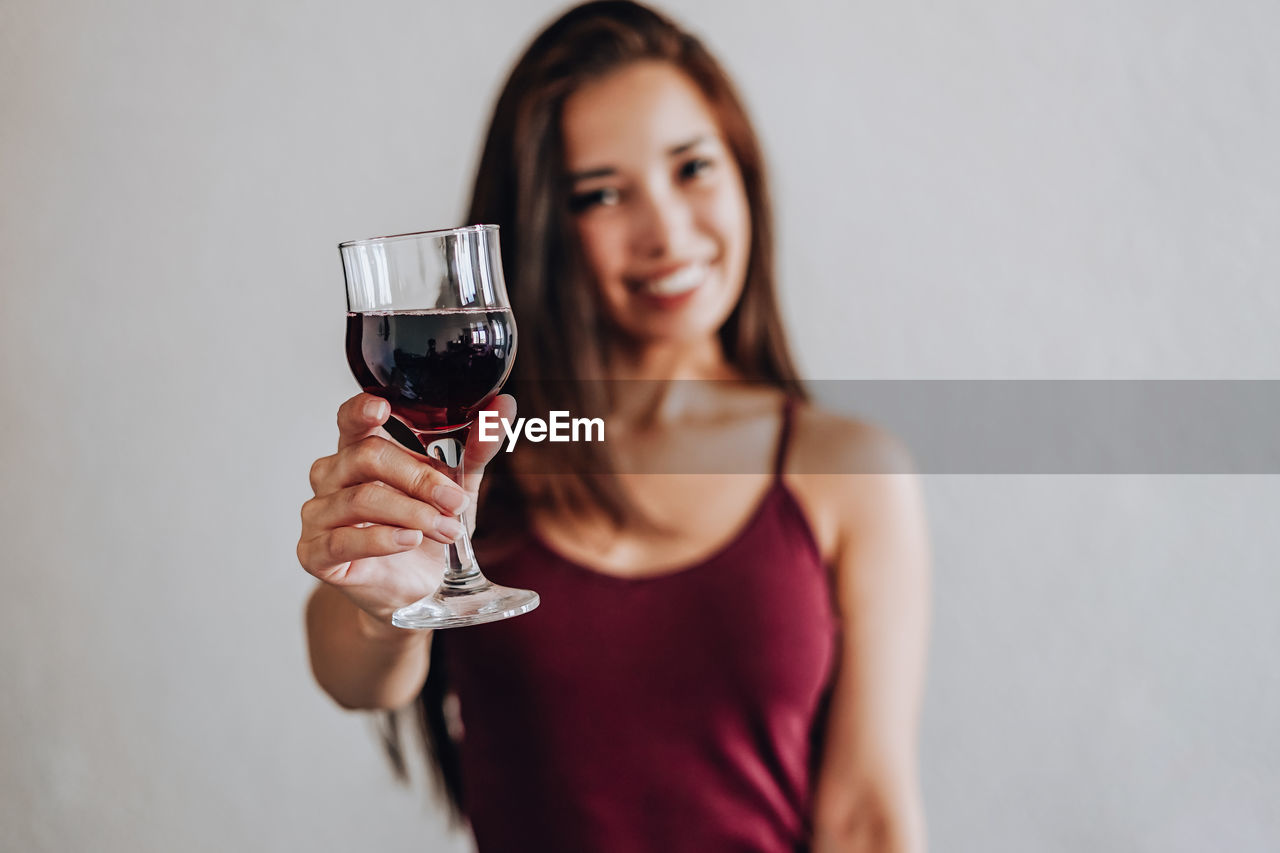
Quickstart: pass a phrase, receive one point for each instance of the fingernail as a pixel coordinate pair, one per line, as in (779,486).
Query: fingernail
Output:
(449,526)
(407,537)
(450,498)
(373,410)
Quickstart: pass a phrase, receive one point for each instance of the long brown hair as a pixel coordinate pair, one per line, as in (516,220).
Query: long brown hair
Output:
(520,186)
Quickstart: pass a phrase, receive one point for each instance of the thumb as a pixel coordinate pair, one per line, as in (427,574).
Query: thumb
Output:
(479,453)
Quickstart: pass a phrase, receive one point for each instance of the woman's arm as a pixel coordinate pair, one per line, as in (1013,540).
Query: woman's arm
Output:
(374,534)
(867,796)
(361,662)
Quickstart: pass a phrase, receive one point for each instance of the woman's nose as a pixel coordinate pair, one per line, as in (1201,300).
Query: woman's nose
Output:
(661,223)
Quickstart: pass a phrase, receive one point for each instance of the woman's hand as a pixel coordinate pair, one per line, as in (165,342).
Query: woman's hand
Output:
(381,515)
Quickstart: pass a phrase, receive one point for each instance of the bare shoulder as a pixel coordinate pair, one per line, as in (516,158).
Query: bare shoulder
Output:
(828,443)
(848,475)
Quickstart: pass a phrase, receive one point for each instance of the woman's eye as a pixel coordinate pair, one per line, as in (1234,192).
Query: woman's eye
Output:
(581,202)
(693,168)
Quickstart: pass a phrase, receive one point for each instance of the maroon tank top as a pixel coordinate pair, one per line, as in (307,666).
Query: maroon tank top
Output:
(675,713)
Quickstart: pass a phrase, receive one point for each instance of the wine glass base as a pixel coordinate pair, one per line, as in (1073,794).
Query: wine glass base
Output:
(455,610)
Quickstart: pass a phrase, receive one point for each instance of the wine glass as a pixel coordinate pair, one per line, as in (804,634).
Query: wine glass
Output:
(429,330)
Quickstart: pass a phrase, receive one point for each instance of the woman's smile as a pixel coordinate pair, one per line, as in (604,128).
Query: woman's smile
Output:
(677,281)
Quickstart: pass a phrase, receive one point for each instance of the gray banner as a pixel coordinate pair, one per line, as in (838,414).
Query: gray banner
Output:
(967,427)
(1073,426)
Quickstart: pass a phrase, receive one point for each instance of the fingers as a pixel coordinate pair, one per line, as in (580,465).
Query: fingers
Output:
(329,554)
(361,416)
(375,459)
(376,504)
(479,453)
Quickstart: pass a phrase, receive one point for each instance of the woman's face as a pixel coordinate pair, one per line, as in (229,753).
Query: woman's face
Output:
(658,200)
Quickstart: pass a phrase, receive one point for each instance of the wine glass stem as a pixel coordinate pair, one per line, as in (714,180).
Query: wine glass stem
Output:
(462,573)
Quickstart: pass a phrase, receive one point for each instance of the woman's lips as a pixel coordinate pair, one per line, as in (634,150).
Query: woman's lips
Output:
(674,288)
(674,283)
(658,302)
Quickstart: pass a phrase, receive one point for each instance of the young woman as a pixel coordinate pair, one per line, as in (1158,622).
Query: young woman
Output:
(720,661)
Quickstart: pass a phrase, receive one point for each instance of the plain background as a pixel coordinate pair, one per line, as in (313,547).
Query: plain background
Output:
(981,190)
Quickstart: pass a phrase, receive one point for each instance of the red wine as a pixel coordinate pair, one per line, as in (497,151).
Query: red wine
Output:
(436,368)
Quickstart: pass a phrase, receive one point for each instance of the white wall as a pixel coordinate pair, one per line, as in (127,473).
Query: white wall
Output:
(985,190)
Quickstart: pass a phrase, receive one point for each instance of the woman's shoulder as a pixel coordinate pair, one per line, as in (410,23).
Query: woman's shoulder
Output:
(827,442)
(828,453)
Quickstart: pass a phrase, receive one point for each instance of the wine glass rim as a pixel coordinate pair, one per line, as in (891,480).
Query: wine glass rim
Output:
(439,232)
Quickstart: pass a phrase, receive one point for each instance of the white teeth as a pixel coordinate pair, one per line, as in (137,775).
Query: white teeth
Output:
(681,281)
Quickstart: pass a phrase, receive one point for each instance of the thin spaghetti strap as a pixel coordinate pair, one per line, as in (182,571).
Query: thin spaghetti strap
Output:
(784,436)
